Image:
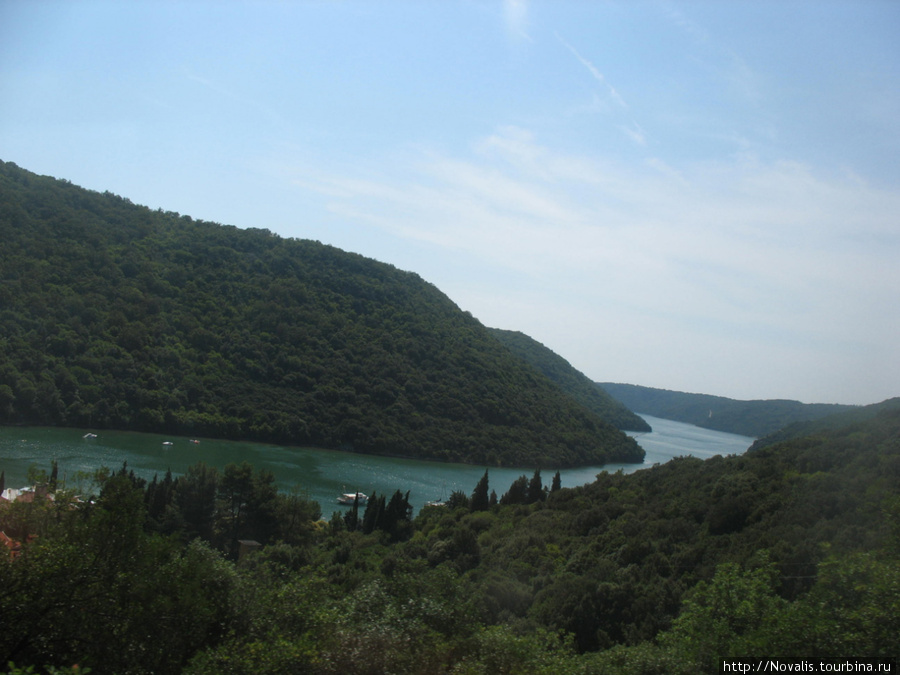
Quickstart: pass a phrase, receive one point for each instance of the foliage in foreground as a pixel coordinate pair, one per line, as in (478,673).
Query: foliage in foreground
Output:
(791,550)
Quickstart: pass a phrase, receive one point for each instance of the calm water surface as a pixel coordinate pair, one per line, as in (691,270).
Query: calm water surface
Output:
(320,474)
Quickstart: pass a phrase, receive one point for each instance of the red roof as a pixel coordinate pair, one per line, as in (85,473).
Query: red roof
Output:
(14,546)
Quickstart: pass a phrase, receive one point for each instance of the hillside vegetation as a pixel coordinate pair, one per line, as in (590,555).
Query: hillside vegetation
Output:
(571,381)
(748,418)
(792,550)
(855,415)
(117,316)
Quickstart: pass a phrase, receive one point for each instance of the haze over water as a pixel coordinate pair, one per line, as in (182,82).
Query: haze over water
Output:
(320,474)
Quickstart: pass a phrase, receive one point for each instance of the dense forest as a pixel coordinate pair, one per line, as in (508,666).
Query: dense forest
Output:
(819,425)
(790,550)
(748,418)
(117,316)
(575,383)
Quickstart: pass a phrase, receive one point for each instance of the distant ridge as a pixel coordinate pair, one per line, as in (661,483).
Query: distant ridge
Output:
(827,424)
(571,381)
(748,418)
(118,316)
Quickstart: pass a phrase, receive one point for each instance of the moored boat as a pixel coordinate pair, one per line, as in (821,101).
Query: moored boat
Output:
(348,498)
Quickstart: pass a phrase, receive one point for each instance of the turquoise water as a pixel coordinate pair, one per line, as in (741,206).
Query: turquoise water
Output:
(319,474)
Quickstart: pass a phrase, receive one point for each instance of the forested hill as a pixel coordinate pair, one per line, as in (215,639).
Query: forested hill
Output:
(791,551)
(576,384)
(822,425)
(117,316)
(748,418)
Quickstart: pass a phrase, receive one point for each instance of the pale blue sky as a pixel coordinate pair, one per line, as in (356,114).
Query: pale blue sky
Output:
(701,196)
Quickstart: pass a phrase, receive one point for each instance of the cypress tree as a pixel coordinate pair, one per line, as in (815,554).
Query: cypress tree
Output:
(351,518)
(397,510)
(480,500)
(54,475)
(535,489)
(518,492)
(373,513)
(557,483)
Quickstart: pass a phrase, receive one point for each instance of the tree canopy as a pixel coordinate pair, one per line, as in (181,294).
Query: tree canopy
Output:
(748,418)
(791,550)
(570,380)
(118,316)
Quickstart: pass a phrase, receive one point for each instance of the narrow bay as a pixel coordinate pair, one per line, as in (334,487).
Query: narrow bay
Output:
(319,474)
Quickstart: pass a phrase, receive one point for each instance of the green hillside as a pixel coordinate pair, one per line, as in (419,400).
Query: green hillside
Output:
(117,316)
(572,382)
(855,415)
(788,552)
(748,418)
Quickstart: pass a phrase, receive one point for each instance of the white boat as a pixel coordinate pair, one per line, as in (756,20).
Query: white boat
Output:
(437,502)
(348,498)
(168,443)
(89,435)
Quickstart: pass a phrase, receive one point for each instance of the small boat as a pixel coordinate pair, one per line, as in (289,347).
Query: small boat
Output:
(89,435)
(168,443)
(195,441)
(437,502)
(348,498)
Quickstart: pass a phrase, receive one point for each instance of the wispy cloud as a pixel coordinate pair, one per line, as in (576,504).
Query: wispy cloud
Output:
(635,133)
(515,14)
(631,128)
(685,23)
(732,68)
(709,254)
(595,72)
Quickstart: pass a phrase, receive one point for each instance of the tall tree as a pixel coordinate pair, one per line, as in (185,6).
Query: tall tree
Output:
(351,518)
(195,497)
(54,475)
(535,489)
(235,491)
(261,521)
(373,514)
(557,482)
(397,516)
(517,493)
(480,498)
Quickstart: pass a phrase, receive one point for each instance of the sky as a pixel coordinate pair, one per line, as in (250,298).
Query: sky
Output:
(696,196)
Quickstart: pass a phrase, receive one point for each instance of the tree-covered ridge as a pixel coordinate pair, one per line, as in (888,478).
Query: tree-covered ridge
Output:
(574,383)
(828,423)
(748,418)
(792,550)
(117,316)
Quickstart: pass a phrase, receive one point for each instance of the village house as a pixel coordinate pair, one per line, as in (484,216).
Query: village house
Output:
(25,495)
